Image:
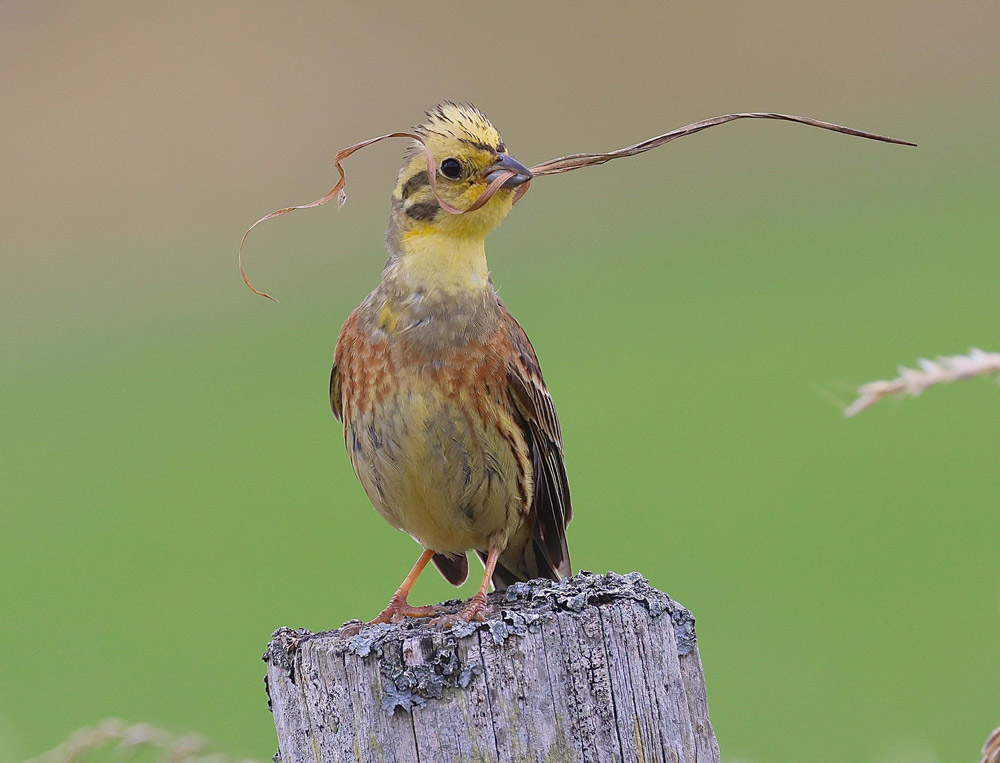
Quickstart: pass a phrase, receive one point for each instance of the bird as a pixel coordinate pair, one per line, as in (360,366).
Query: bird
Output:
(448,422)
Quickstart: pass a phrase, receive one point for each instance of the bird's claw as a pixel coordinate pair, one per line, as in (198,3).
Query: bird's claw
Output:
(475,610)
(398,610)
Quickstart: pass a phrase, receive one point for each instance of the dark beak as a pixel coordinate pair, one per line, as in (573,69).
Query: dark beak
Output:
(506,163)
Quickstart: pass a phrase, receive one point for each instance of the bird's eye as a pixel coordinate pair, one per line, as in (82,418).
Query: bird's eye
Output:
(451,168)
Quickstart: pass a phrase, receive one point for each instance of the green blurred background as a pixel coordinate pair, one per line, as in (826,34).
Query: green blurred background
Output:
(172,484)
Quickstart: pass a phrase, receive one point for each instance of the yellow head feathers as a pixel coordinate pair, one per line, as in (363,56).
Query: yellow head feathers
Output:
(468,153)
(463,123)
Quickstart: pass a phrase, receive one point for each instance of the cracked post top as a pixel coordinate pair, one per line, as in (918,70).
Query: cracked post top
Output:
(510,614)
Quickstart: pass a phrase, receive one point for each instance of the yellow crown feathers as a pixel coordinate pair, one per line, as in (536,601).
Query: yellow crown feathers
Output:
(462,122)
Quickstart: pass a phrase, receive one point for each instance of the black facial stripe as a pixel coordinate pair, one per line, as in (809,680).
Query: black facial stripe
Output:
(414,183)
(477,144)
(423,210)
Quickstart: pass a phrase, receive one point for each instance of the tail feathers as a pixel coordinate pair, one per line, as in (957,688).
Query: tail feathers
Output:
(454,567)
(519,564)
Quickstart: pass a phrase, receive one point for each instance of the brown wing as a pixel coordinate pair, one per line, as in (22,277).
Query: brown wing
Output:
(550,510)
(335,399)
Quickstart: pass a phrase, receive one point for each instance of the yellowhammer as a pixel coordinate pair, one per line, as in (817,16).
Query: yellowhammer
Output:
(447,420)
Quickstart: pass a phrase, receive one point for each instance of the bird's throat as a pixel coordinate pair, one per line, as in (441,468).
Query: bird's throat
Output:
(431,262)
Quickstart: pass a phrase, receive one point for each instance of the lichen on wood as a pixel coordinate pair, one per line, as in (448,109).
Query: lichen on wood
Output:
(592,668)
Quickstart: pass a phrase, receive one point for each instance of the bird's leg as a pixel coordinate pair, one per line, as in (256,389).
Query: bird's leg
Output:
(476,609)
(397,606)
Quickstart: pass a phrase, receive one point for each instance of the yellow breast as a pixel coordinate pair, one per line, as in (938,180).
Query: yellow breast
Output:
(436,467)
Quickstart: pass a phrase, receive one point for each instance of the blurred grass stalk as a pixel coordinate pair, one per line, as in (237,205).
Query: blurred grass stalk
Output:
(912,381)
(991,750)
(178,748)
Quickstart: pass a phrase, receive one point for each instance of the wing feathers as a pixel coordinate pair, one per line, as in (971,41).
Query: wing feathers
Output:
(550,508)
(335,392)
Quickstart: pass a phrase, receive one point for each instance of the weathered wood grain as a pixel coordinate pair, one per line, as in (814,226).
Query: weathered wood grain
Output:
(594,668)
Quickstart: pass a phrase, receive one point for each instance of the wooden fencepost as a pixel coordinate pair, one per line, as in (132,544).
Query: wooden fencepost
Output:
(593,668)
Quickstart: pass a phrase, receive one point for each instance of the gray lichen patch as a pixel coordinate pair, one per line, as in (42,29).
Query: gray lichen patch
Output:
(418,669)
(587,589)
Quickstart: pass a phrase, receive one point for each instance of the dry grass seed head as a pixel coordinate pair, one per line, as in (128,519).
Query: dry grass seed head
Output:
(913,381)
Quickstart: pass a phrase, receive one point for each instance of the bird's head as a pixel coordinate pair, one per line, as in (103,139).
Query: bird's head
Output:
(469,154)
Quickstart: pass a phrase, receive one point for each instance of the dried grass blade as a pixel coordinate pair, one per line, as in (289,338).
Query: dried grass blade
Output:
(340,193)
(336,191)
(577,161)
(551,167)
